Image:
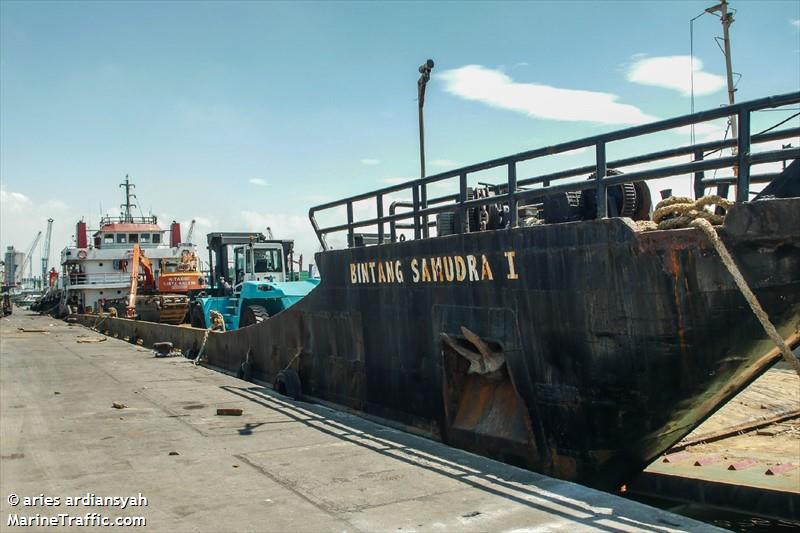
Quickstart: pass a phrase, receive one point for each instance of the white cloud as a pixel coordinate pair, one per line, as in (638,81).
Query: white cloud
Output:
(674,72)
(21,217)
(795,22)
(202,227)
(56,204)
(706,131)
(576,151)
(496,89)
(395,181)
(259,181)
(445,163)
(14,202)
(285,226)
(370,162)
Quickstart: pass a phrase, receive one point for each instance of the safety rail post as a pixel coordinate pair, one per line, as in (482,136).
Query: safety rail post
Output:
(743,157)
(463,219)
(379,199)
(512,196)
(699,189)
(415,201)
(602,203)
(392,225)
(424,205)
(350,236)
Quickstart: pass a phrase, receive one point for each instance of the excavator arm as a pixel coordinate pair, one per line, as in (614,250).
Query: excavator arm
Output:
(138,260)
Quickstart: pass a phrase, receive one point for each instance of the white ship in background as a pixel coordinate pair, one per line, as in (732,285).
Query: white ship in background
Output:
(97,268)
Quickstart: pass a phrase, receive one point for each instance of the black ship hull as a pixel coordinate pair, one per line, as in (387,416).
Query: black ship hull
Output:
(612,344)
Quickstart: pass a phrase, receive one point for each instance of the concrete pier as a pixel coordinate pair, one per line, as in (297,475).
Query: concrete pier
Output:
(280,466)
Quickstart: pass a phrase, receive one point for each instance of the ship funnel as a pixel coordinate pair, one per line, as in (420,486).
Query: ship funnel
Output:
(175,234)
(80,235)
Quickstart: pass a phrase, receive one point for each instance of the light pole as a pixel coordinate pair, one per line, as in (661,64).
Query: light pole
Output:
(425,76)
(727,19)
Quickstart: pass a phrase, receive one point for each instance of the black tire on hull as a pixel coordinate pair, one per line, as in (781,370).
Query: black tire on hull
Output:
(253,314)
(197,317)
(245,371)
(287,382)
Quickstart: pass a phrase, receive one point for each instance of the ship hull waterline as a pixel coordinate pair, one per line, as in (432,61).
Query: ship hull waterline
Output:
(615,343)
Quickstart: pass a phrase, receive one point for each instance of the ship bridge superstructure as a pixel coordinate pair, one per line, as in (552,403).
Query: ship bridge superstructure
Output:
(96,266)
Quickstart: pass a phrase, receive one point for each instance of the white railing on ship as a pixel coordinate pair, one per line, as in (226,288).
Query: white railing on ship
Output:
(98,278)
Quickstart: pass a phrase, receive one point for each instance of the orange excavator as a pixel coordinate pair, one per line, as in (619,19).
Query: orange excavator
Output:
(166,302)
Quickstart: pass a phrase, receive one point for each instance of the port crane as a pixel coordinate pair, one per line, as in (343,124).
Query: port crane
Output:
(46,249)
(190,232)
(18,275)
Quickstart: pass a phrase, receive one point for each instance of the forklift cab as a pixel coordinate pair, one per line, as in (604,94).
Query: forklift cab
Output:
(258,262)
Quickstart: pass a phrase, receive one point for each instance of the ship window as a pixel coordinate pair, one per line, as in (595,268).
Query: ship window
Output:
(156,238)
(101,264)
(121,238)
(144,238)
(133,237)
(108,238)
(119,292)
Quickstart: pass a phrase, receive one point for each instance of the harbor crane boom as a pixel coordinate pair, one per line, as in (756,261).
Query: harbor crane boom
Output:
(46,249)
(190,232)
(21,271)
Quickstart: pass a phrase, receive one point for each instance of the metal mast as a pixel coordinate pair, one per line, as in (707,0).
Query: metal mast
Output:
(46,250)
(128,205)
(727,19)
(425,76)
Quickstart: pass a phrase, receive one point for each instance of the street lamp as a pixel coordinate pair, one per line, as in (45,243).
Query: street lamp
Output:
(425,71)
(425,76)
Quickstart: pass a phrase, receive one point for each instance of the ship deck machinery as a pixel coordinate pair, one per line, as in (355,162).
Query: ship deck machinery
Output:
(582,350)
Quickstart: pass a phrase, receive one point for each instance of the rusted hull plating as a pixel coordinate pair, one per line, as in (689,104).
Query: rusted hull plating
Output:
(614,344)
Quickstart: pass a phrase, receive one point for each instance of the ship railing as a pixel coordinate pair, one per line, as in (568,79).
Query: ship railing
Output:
(128,220)
(98,278)
(515,192)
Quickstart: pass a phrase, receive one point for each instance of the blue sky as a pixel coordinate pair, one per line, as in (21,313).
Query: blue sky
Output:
(243,115)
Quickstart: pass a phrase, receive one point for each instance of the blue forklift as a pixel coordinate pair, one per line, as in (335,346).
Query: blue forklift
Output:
(257,282)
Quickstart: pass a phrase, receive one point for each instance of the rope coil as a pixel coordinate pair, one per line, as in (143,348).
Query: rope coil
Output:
(680,211)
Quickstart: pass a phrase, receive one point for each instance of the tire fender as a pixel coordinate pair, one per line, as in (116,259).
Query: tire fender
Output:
(245,371)
(288,383)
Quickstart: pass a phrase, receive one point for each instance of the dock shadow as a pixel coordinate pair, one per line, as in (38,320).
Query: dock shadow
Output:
(523,487)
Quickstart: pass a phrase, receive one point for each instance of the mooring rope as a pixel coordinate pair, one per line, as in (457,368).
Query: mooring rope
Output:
(679,211)
(196,360)
(97,321)
(682,212)
(217,323)
(706,227)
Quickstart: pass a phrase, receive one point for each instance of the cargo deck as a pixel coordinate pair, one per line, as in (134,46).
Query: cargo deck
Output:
(280,466)
(745,458)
